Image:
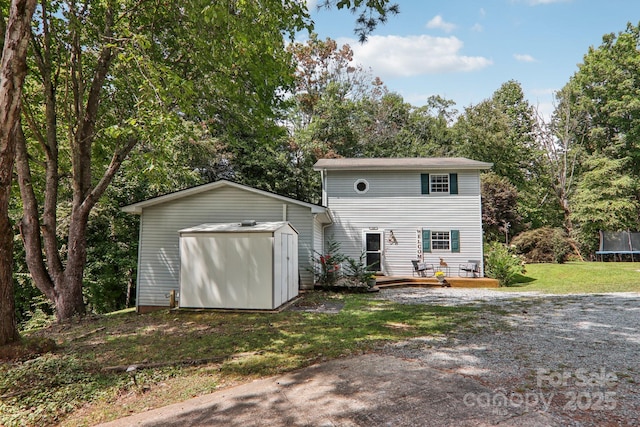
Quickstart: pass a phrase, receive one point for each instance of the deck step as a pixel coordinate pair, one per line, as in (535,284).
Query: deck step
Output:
(455,282)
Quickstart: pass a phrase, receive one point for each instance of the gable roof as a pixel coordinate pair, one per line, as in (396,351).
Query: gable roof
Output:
(136,208)
(401,163)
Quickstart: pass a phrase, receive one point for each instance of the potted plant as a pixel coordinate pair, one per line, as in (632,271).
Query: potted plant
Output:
(360,272)
(370,279)
(441,277)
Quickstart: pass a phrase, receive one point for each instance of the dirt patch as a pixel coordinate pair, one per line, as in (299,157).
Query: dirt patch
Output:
(329,307)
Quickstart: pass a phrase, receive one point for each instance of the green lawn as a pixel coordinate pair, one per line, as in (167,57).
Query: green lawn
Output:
(580,277)
(70,386)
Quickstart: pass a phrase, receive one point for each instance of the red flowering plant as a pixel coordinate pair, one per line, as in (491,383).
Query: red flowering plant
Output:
(327,265)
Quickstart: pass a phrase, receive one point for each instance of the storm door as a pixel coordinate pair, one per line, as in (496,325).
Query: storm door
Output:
(372,242)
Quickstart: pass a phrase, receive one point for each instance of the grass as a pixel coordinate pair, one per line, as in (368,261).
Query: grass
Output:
(70,387)
(580,277)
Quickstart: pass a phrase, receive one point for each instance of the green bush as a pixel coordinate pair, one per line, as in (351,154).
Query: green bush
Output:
(544,244)
(502,263)
(358,271)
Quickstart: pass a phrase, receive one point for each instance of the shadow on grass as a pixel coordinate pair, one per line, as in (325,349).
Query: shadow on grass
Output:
(521,281)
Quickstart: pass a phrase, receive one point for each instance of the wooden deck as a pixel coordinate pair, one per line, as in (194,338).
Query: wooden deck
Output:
(455,282)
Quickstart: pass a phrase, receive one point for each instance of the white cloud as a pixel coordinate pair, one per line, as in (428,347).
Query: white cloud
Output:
(438,23)
(395,56)
(311,4)
(477,28)
(524,57)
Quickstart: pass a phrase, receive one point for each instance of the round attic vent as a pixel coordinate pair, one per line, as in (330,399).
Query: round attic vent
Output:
(361,186)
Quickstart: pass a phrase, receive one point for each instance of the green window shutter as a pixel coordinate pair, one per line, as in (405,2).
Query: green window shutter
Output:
(424,183)
(455,241)
(426,240)
(453,183)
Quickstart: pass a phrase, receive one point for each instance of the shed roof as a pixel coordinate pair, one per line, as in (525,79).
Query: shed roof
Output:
(401,163)
(136,208)
(237,227)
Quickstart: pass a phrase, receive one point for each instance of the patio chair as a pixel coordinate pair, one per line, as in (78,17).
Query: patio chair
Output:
(470,269)
(422,269)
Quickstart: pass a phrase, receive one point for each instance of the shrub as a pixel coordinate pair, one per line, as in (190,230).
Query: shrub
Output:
(358,271)
(326,266)
(544,244)
(502,263)
(333,269)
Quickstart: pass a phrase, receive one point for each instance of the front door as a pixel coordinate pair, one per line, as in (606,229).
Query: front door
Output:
(372,242)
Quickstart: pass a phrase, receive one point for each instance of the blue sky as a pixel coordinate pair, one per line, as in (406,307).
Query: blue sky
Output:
(463,50)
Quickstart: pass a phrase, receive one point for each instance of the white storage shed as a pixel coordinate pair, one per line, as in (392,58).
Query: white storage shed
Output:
(244,265)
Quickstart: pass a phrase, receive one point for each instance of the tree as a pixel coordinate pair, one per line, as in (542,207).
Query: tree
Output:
(15,41)
(559,161)
(499,130)
(390,127)
(323,111)
(604,96)
(499,207)
(370,13)
(118,75)
(320,63)
(605,199)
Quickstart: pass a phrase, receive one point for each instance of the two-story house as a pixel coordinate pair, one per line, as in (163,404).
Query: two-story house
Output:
(395,210)
(400,209)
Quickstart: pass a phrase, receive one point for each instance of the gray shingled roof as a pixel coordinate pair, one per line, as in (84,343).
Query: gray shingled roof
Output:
(410,163)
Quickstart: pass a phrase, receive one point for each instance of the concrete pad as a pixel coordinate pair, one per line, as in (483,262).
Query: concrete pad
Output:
(369,390)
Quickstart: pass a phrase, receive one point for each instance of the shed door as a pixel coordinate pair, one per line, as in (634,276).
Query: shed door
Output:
(288,279)
(372,242)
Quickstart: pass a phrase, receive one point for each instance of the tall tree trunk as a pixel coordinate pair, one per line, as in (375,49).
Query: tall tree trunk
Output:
(61,281)
(13,70)
(69,301)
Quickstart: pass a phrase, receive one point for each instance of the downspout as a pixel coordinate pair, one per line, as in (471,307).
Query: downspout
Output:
(284,212)
(323,178)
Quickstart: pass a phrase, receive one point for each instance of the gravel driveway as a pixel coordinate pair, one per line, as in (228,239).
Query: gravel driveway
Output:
(574,357)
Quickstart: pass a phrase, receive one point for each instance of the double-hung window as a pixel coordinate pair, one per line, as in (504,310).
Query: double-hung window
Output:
(439,241)
(439,183)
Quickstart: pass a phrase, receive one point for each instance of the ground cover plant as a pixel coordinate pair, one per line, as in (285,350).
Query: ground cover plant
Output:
(579,277)
(192,353)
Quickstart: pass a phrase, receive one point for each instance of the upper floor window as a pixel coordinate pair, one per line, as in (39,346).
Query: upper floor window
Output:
(439,183)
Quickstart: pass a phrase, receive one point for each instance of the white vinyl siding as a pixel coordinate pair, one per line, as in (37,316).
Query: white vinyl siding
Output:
(159,255)
(394,203)
(340,184)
